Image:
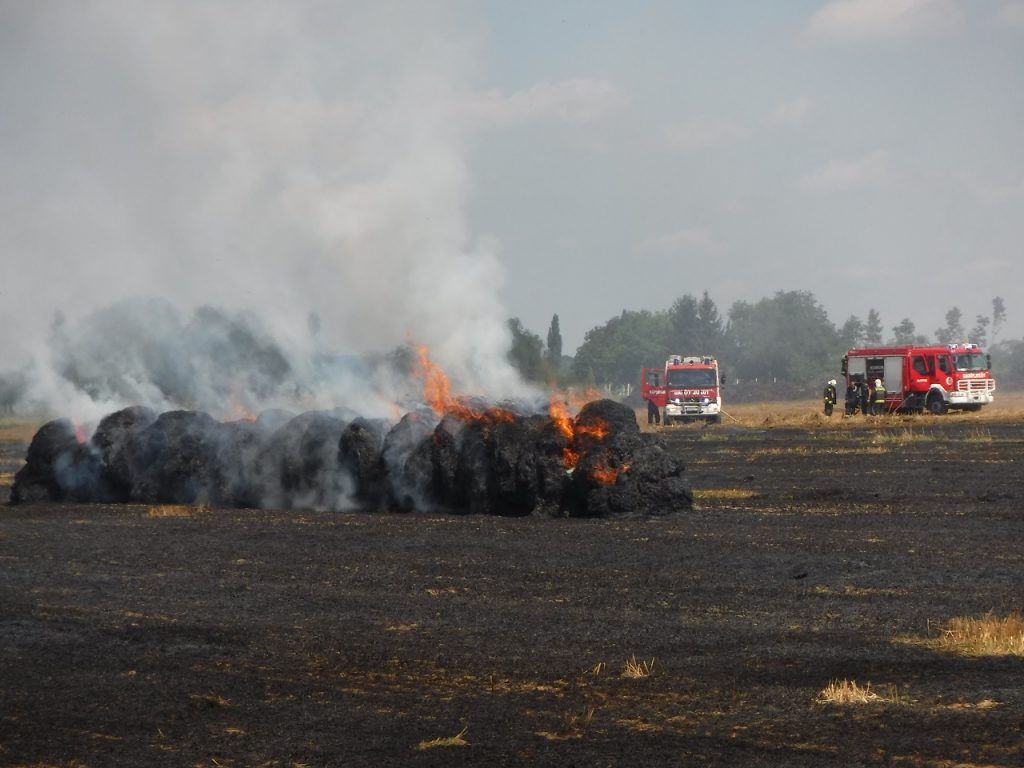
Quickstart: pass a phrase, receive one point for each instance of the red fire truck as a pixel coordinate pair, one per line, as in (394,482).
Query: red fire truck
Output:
(933,378)
(688,388)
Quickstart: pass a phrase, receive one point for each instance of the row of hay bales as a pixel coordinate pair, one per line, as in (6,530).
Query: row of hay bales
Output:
(513,465)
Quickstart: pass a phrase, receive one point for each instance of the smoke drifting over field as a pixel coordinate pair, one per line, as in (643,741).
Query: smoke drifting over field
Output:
(213,211)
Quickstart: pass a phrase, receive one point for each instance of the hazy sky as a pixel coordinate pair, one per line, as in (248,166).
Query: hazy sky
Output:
(868,151)
(424,170)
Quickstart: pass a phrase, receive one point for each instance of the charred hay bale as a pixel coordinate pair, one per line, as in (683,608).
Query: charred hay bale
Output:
(513,477)
(405,466)
(300,468)
(525,468)
(549,468)
(239,449)
(472,471)
(175,460)
(498,464)
(621,471)
(57,467)
(111,440)
(444,447)
(658,477)
(359,450)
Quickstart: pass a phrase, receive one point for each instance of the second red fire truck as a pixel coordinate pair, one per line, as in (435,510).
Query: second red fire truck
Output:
(932,378)
(688,388)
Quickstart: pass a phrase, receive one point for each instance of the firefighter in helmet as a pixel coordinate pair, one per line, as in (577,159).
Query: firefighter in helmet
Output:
(829,396)
(878,398)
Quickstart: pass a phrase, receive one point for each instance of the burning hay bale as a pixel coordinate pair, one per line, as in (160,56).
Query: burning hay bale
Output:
(57,466)
(467,461)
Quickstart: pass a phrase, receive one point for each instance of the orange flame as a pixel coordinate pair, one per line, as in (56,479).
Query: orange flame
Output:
(599,429)
(437,387)
(558,409)
(437,391)
(607,475)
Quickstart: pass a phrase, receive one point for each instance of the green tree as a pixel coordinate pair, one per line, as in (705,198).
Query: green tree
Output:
(710,329)
(873,329)
(696,326)
(954,330)
(998,316)
(525,352)
(906,333)
(684,319)
(787,338)
(979,333)
(554,343)
(852,332)
(615,352)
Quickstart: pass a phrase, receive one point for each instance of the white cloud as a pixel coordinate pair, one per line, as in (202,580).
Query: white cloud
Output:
(791,113)
(862,20)
(576,100)
(704,132)
(1011,15)
(873,169)
(683,240)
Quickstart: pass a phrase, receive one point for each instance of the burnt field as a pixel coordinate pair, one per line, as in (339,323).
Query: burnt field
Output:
(819,558)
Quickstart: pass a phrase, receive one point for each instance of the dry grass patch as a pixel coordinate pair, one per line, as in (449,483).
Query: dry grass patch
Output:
(457,740)
(176,510)
(708,494)
(978,434)
(851,692)
(902,436)
(988,636)
(634,668)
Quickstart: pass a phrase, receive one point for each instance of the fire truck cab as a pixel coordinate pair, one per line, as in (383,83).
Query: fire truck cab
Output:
(932,378)
(689,388)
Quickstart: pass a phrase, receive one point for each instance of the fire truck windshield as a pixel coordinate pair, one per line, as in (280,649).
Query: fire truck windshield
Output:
(970,362)
(691,378)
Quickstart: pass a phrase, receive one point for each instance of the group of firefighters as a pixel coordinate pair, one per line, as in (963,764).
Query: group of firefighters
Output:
(860,396)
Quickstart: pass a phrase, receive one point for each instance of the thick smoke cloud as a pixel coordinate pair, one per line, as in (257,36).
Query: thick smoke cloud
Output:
(182,177)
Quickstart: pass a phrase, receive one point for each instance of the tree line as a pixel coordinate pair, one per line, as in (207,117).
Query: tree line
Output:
(778,347)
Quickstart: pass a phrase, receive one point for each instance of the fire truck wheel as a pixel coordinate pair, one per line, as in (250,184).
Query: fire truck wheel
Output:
(936,405)
(667,420)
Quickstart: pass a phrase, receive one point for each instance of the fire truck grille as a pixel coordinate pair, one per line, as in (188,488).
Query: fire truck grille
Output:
(977,385)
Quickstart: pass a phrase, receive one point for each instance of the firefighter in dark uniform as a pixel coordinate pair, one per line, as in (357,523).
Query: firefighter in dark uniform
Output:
(653,413)
(829,396)
(878,398)
(865,397)
(851,398)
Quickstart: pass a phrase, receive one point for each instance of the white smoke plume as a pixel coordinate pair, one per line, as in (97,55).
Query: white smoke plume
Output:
(220,204)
